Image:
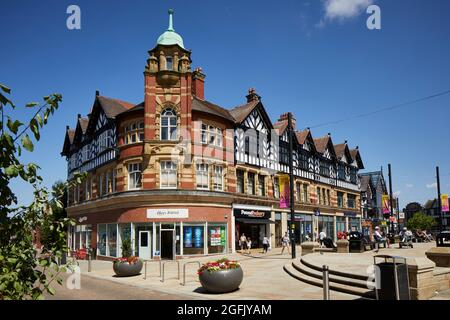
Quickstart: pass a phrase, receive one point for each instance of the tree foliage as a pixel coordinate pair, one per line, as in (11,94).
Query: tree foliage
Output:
(421,221)
(25,271)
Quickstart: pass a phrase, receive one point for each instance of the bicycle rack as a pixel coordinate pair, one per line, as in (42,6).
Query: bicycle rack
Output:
(184,270)
(164,264)
(145,267)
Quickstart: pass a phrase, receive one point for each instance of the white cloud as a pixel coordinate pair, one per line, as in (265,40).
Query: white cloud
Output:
(409,185)
(342,9)
(431,185)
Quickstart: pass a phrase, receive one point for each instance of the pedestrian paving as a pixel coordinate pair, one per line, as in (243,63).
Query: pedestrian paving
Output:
(264,278)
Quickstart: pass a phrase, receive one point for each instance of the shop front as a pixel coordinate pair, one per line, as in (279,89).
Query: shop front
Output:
(254,222)
(354,221)
(155,233)
(303,227)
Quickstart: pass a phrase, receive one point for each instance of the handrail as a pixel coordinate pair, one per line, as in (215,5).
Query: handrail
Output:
(164,264)
(184,270)
(145,267)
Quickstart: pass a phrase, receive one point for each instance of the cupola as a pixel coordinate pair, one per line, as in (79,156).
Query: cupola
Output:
(170,37)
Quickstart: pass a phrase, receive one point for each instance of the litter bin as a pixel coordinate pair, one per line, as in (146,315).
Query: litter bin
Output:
(391,278)
(356,242)
(441,238)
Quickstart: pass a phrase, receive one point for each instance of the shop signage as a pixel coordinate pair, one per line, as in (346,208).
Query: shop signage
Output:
(167,213)
(317,212)
(247,213)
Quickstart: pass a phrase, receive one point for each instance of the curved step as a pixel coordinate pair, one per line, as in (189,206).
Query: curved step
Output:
(335,272)
(361,292)
(333,278)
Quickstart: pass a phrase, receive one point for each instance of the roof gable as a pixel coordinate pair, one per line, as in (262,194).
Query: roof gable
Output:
(355,155)
(252,115)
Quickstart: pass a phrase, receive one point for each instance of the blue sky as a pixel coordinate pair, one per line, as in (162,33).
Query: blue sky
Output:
(316,59)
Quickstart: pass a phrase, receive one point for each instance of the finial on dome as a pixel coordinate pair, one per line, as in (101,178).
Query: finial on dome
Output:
(170,20)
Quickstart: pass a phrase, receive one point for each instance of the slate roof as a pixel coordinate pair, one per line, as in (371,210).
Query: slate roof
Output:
(241,112)
(113,107)
(321,143)
(211,108)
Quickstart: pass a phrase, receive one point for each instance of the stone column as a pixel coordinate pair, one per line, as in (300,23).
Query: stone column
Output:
(421,282)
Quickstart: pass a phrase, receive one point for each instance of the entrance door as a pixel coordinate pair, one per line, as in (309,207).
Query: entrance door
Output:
(144,245)
(167,244)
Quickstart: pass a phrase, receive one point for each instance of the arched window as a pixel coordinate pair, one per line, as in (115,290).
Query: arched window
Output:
(168,124)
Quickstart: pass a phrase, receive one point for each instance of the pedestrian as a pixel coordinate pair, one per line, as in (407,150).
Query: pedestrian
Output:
(285,243)
(243,242)
(265,244)
(322,236)
(249,245)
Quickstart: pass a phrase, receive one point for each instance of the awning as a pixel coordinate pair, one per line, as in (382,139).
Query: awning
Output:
(254,221)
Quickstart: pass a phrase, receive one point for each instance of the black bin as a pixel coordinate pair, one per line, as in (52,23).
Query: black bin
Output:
(391,278)
(441,238)
(356,242)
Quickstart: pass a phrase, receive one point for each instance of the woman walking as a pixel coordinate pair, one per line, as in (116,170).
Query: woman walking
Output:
(243,242)
(249,245)
(265,244)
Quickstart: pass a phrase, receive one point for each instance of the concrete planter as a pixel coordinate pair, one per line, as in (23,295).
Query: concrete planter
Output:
(222,281)
(124,269)
(342,246)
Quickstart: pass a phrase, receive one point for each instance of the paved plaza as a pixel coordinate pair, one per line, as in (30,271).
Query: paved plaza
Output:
(264,277)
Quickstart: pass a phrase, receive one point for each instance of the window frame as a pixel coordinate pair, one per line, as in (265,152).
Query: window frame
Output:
(169,126)
(167,171)
(135,172)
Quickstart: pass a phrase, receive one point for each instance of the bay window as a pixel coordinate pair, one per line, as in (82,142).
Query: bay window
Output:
(134,132)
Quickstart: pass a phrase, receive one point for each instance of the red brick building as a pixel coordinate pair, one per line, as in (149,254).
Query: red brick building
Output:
(178,175)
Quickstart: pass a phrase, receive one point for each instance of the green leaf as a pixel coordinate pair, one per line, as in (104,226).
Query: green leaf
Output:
(5,89)
(39,120)
(31,104)
(12,171)
(51,290)
(35,128)
(27,144)
(43,262)
(14,126)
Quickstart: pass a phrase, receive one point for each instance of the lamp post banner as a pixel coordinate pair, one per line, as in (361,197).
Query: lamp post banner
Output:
(284,191)
(385,204)
(444,203)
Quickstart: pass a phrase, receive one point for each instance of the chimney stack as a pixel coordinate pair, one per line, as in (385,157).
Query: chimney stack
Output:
(284,118)
(252,95)
(198,83)
(97,93)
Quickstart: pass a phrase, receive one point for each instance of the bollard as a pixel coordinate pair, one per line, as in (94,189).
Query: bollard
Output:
(89,261)
(326,282)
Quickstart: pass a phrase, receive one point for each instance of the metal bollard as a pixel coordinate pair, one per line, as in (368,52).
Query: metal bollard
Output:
(326,282)
(89,261)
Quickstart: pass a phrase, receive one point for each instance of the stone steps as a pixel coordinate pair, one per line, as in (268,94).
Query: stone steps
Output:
(312,276)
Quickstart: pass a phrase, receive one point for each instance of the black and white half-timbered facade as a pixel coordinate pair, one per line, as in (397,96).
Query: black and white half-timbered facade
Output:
(140,185)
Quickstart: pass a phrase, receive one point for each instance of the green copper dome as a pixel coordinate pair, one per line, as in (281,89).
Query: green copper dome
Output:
(170,37)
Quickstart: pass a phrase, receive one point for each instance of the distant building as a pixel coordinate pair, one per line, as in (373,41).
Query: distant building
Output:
(431,208)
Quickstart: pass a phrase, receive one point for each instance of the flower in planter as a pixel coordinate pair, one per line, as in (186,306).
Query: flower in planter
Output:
(130,260)
(221,264)
(342,235)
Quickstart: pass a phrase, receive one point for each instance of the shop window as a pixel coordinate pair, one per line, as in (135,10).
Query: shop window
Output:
(261,185)
(240,181)
(326,223)
(168,175)
(112,240)
(202,176)
(340,224)
(251,183)
(193,239)
(217,238)
(102,238)
(125,235)
(218,178)
(134,132)
(134,176)
(168,125)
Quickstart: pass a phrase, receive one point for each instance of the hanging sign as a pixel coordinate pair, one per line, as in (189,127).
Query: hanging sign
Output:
(284,191)
(385,204)
(444,203)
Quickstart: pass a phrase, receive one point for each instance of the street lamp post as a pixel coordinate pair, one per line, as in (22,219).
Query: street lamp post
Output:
(291,184)
(391,224)
(441,227)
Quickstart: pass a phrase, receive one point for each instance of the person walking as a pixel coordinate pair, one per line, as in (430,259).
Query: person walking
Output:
(285,243)
(243,242)
(265,244)
(249,245)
